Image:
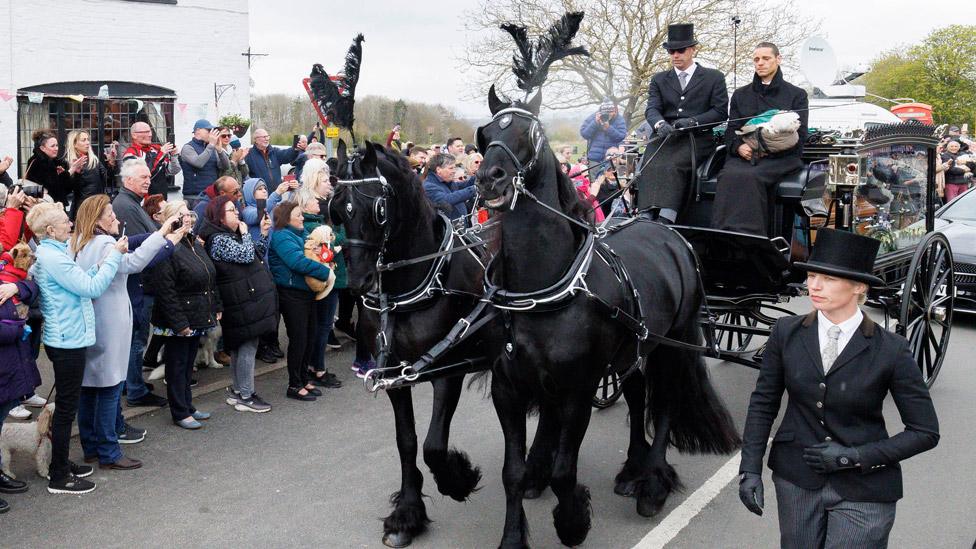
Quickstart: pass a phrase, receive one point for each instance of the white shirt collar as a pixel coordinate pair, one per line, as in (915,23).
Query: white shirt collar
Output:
(690,71)
(847,329)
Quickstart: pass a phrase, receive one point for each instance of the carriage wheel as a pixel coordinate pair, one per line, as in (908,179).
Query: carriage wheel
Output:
(608,391)
(926,304)
(730,340)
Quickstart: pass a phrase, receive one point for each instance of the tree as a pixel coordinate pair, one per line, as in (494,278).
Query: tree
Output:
(624,39)
(940,71)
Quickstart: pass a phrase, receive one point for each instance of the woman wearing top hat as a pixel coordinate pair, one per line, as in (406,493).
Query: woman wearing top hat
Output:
(835,468)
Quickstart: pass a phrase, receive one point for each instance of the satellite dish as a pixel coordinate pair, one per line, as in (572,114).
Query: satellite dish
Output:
(818,62)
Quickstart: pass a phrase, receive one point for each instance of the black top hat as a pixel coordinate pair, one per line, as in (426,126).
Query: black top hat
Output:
(680,35)
(845,255)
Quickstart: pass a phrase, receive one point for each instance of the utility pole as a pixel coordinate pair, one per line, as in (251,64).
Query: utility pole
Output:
(250,55)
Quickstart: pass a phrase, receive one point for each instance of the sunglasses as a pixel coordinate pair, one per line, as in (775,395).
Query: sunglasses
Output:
(679,50)
(225,136)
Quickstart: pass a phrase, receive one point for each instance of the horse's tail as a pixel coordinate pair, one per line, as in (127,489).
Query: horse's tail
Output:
(678,386)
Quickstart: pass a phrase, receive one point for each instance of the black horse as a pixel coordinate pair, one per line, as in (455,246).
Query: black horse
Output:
(380,202)
(558,339)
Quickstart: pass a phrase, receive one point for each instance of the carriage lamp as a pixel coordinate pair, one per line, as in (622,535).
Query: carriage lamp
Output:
(845,173)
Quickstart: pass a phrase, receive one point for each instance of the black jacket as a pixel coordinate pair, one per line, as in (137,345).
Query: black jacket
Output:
(705,98)
(52,174)
(247,293)
(845,406)
(956,174)
(89,182)
(186,289)
(755,98)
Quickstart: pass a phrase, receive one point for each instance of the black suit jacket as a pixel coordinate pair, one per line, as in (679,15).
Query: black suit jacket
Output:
(706,99)
(845,406)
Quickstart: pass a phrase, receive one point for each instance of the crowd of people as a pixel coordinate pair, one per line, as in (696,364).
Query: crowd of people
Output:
(128,280)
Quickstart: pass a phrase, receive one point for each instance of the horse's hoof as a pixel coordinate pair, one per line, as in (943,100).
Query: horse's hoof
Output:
(533,493)
(647,507)
(397,539)
(626,488)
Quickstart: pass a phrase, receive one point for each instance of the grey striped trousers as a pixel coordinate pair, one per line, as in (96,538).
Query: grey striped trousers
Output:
(810,519)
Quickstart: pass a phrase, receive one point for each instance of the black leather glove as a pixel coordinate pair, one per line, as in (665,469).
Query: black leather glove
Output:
(829,457)
(751,492)
(664,130)
(685,123)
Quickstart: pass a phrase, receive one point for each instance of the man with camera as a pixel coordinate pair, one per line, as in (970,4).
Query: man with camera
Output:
(604,129)
(161,159)
(684,103)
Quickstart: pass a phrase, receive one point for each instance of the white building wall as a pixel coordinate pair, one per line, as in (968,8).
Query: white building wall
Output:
(185,47)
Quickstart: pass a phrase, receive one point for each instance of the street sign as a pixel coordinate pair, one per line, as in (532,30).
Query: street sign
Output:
(332,132)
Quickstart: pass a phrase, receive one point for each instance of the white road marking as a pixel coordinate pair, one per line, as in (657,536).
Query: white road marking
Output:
(675,522)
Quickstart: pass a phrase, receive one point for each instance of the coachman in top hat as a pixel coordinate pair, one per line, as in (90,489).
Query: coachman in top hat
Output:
(683,104)
(835,468)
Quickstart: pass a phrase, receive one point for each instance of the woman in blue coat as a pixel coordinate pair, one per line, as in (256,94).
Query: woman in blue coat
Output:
(289,267)
(67,291)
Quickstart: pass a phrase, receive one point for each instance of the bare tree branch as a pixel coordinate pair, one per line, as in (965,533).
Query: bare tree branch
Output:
(624,39)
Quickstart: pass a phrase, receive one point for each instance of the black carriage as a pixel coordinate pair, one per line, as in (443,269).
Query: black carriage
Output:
(879,183)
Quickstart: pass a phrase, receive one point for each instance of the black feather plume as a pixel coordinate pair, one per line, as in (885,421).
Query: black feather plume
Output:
(337,102)
(531,62)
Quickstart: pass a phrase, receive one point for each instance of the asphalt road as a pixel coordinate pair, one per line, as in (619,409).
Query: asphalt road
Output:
(321,474)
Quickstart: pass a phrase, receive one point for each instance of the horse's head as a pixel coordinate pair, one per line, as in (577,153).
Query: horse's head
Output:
(360,205)
(378,201)
(512,145)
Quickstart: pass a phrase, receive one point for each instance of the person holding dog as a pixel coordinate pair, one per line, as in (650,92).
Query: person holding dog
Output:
(18,370)
(67,291)
(835,468)
(747,184)
(107,361)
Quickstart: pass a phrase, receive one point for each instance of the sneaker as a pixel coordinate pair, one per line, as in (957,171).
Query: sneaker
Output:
(333,342)
(365,367)
(20,413)
(254,404)
(34,402)
(201,416)
(149,399)
(233,397)
(132,435)
(80,471)
(189,423)
(4,507)
(70,485)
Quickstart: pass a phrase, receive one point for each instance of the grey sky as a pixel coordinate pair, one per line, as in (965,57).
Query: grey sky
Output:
(411,48)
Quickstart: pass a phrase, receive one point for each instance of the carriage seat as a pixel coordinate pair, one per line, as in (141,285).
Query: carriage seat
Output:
(789,189)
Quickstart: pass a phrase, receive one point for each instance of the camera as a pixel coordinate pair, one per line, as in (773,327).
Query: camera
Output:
(33,191)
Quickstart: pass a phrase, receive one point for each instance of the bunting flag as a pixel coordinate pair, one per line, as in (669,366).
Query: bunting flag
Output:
(103,91)
(35,97)
(6,95)
(181,107)
(79,98)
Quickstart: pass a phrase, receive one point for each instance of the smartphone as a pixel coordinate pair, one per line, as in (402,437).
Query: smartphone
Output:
(121,228)
(294,141)
(288,178)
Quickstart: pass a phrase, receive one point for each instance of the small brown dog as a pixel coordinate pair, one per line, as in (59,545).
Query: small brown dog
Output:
(13,268)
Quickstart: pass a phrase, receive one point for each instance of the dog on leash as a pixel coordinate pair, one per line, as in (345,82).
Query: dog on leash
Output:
(32,438)
(207,349)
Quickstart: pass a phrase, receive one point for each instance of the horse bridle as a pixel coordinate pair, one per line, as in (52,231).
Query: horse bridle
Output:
(536,135)
(378,206)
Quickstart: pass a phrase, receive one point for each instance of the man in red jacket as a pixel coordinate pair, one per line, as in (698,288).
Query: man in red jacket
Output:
(159,158)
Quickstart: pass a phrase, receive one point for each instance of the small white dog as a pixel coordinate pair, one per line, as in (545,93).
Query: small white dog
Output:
(32,438)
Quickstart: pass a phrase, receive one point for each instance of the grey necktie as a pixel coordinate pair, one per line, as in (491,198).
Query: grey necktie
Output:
(683,79)
(829,354)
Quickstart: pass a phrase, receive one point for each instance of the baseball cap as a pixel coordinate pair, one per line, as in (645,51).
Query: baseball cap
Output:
(201,124)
